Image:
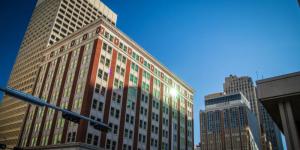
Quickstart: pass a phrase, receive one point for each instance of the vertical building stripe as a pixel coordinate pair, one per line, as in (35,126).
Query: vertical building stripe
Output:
(178,124)
(48,101)
(137,110)
(89,90)
(37,108)
(170,123)
(27,111)
(222,131)
(149,114)
(109,95)
(239,127)
(123,107)
(185,124)
(62,85)
(192,126)
(160,114)
(73,91)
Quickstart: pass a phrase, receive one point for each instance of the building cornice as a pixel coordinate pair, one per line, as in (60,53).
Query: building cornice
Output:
(124,37)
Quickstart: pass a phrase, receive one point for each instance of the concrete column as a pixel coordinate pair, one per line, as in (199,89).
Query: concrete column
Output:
(289,126)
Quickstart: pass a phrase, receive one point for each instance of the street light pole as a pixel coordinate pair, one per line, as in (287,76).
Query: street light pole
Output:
(69,115)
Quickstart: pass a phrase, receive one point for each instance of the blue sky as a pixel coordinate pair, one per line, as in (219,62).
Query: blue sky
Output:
(202,41)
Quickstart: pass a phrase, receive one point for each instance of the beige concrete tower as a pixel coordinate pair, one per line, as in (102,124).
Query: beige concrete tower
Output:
(51,21)
(242,84)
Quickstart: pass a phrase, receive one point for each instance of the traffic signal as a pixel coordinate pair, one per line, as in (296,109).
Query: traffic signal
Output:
(101,128)
(71,117)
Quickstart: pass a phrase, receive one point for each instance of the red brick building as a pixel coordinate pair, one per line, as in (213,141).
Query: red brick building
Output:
(101,73)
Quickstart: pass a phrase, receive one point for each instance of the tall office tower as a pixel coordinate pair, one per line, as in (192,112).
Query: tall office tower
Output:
(101,73)
(242,84)
(228,123)
(245,85)
(51,21)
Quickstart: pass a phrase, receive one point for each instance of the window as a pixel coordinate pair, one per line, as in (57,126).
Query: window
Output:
(124,59)
(114,97)
(104,46)
(95,103)
(144,138)
(93,118)
(100,108)
(117,113)
(69,137)
(141,123)
(132,106)
(106,34)
(127,117)
(100,73)
(119,56)
(119,99)
(103,90)
(122,71)
(112,111)
(118,69)
(107,62)
(109,50)
(121,85)
(107,144)
(131,119)
(97,89)
(121,45)
(142,110)
(89,138)
(116,83)
(113,146)
(130,134)
(145,125)
(105,76)
(126,133)
(140,137)
(102,60)
(134,67)
(95,140)
(115,129)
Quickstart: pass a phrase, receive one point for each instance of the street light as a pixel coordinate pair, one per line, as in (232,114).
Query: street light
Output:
(66,114)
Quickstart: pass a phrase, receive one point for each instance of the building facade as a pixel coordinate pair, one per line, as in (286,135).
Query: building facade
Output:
(268,128)
(245,85)
(228,123)
(101,73)
(280,96)
(51,21)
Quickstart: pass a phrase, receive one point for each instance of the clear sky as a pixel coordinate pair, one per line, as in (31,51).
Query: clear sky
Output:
(202,41)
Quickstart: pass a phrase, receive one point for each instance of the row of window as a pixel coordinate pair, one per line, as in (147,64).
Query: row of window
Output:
(100,90)
(97,105)
(114,112)
(92,139)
